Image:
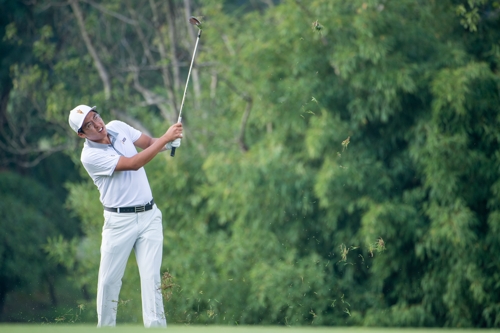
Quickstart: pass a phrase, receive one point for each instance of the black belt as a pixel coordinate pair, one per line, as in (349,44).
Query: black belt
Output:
(133,209)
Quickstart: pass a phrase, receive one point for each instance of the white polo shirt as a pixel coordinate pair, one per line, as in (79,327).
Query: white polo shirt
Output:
(117,188)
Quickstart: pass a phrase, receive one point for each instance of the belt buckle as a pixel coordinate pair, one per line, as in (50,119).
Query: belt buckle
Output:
(140,209)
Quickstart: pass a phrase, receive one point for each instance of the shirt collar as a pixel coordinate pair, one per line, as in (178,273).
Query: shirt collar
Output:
(112,136)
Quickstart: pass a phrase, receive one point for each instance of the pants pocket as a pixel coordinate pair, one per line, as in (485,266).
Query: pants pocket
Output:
(118,232)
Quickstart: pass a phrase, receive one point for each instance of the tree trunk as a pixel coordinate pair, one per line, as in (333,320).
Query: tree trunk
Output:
(52,290)
(4,100)
(85,293)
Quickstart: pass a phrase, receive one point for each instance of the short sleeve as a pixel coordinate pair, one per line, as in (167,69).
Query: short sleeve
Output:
(100,163)
(126,129)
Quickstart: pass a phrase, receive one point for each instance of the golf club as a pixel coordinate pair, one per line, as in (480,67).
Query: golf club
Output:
(194,21)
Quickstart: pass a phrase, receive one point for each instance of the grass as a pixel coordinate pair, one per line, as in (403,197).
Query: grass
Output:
(56,328)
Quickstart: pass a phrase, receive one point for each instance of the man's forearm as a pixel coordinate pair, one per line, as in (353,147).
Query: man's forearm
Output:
(149,153)
(153,140)
(142,158)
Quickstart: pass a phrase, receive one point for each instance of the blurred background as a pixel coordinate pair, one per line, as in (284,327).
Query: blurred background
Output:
(340,164)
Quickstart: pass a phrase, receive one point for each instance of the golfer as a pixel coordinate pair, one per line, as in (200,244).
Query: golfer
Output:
(131,218)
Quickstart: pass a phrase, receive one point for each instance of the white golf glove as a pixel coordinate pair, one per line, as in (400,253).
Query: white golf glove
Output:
(176,143)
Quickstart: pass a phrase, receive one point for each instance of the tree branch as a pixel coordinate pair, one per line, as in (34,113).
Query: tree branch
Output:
(132,121)
(246,114)
(173,45)
(111,13)
(88,43)
(153,99)
(163,55)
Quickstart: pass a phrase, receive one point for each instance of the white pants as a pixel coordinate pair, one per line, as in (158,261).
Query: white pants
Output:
(121,233)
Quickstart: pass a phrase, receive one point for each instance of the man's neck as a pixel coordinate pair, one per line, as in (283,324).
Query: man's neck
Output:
(104,141)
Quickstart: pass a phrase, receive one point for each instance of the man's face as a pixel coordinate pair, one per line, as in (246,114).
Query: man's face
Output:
(93,128)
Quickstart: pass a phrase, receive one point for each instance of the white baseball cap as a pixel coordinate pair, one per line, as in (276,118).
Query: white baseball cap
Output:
(77,116)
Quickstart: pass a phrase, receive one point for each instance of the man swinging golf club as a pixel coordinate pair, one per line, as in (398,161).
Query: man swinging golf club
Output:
(131,218)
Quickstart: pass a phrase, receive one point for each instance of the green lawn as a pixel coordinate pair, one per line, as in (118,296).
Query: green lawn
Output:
(56,328)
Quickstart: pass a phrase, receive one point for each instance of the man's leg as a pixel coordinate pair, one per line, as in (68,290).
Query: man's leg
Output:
(118,237)
(148,251)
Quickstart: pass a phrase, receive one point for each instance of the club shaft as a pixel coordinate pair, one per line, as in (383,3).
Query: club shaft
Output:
(189,75)
(172,153)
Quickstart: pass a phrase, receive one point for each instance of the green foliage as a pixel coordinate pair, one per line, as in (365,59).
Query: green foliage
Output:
(31,214)
(471,12)
(346,175)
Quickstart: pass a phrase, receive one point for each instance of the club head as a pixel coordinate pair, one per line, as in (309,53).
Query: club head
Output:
(194,21)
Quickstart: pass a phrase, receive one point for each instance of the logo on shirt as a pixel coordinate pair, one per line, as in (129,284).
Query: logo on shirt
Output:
(123,140)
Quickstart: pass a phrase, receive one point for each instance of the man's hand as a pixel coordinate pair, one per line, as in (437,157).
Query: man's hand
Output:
(173,133)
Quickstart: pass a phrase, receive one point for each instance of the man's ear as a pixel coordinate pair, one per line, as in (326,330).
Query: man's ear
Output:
(81,135)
